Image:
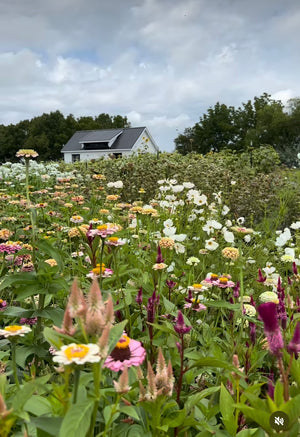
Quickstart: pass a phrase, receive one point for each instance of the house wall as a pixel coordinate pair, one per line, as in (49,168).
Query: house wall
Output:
(144,144)
(87,156)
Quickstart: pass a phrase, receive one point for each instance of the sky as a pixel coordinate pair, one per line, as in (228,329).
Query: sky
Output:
(161,63)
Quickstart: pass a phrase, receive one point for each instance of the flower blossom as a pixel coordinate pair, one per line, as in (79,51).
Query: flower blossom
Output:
(14,330)
(77,354)
(126,353)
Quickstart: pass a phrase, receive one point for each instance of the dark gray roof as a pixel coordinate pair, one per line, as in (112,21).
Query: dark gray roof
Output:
(98,136)
(125,141)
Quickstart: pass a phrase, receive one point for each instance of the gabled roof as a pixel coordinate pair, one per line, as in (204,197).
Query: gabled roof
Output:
(126,138)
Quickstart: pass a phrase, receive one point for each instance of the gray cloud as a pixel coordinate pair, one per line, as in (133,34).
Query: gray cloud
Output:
(161,63)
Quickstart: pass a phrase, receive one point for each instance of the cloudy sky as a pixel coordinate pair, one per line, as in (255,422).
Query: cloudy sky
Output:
(161,63)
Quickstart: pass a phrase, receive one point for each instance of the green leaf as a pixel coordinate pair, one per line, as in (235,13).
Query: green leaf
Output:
(227,410)
(278,393)
(23,395)
(47,248)
(258,416)
(169,306)
(22,353)
(222,304)
(214,362)
(17,312)
(47,426)
(195,399)
(176,419)
(38,406)
(256,432)
(53,337)
(54,314)
(115,334)
(130,411)
(77,420)
(29,278)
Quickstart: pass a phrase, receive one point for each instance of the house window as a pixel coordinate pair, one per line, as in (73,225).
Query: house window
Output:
(118,155)
(76,157)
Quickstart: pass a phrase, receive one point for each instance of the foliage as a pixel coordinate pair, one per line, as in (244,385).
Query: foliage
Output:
(49,132)
(261,122)
(176,273)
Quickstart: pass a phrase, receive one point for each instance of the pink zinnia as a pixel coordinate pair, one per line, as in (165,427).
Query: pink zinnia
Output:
(126,353)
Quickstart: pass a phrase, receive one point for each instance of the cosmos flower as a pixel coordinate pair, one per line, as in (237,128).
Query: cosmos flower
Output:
(127,353)
(77,354)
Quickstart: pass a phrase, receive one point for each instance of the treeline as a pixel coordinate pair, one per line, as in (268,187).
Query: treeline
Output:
(49,132)
(260,122)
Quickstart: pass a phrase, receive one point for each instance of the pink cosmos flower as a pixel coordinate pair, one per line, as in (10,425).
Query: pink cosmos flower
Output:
(126,353)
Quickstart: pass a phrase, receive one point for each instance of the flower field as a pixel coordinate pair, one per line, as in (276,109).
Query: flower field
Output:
(149,297)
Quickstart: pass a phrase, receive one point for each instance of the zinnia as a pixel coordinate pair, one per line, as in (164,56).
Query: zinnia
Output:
(126,353)
(77,354)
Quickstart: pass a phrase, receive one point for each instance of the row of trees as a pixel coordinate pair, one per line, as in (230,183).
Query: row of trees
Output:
(49,132)
(263,121)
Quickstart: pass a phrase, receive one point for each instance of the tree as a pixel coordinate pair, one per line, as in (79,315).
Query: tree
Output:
(262,121)
(48,133)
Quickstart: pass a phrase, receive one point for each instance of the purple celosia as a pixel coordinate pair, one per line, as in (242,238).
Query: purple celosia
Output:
(139,297)
(180,327)
(261,278)
(268,314)
(236,290)
(159,258)
(294,344)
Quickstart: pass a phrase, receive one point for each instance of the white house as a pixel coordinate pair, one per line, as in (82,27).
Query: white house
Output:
(94,144)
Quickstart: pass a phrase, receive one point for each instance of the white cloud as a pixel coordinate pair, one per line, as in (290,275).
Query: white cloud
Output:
(161,63)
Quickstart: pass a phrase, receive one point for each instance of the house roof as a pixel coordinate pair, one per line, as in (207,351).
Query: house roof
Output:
(125,141)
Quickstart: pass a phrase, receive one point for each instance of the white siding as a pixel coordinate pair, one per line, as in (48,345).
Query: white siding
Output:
(87,156)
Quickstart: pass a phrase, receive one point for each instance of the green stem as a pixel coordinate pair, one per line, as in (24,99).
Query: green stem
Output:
(14,364)
(113,411)
(101,258)
(41,307)
(97,367)
(76,384)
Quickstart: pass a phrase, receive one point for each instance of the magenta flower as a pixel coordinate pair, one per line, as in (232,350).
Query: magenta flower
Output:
(159,258)
(126,353)
(268,314)
(139,297)
(180,327)
(261,278)
(294,344)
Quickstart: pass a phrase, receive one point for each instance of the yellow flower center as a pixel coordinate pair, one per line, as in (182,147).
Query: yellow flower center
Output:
(13,328)
(223,280)
(123,343)
(1,300)
(78,351)
(96,270)
(102,227)
(113,239)
(214,277)
(197,286)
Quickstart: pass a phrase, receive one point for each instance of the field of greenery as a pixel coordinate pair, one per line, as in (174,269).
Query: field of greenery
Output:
(150,296)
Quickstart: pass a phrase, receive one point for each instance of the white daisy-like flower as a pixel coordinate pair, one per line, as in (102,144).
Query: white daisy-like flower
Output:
(78,354)
(192,260)
(14,330)
(211,244)
(295,225)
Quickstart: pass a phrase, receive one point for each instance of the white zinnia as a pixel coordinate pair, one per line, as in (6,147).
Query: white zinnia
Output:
(78,354)
(13,330)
